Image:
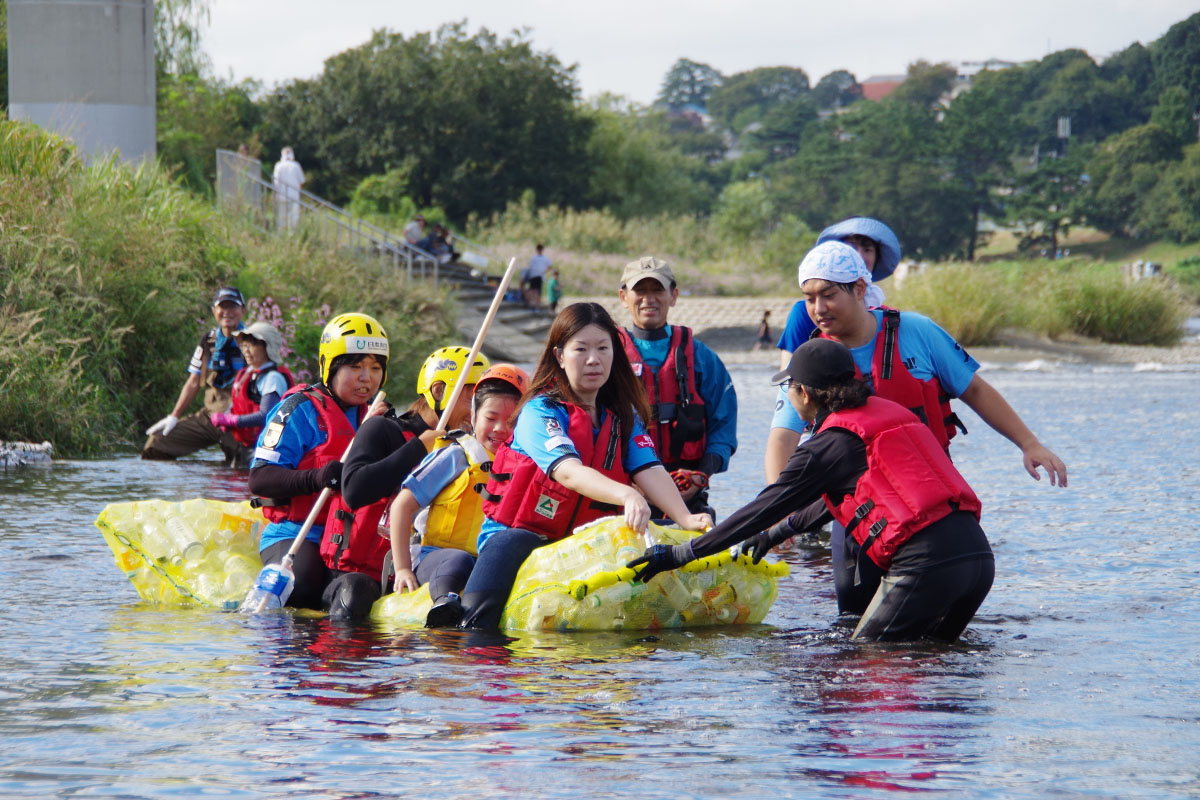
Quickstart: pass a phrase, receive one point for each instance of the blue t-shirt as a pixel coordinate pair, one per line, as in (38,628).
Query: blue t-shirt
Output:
(541,434)
(715,388)
(926,349)
(299,435)
(798,328)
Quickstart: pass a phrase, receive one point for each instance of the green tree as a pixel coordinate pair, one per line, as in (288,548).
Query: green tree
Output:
(836,90)
(748,96)
(636,167)
(1049,199)
(925,83)
(1176,57)
(178,26)
(1124,169)
(977,134)
(1171,207)
(480,118)
(197,115)
(1173,114)
(743,213)
(688,83)
(1134,65)
(779,133)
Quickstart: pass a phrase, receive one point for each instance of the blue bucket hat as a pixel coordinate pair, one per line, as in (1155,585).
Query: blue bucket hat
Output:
(889,245)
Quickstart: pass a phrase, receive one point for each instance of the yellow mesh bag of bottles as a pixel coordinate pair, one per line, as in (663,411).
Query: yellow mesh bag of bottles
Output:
(581,583)
(194,553)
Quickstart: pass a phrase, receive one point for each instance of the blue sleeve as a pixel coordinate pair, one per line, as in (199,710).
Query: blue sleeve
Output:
(720,403)
(437,471)
(798,328)
(541,433)
(298,436)
(639,449)
(935,352)
(785,415)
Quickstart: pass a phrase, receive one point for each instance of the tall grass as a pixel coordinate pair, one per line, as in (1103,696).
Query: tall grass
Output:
(591,246)
(976,302)
(106,273)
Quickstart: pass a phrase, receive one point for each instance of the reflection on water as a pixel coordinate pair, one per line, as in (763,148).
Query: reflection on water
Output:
(1083,654)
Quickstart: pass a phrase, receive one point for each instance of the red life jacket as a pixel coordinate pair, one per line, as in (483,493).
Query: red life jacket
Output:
(338,434)
(892,381)
(351,541)
(247,398)
(679,420)
(909,483)
(520,495)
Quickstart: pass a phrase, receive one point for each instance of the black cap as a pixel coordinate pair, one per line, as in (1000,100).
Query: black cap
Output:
(819,364)
(228,294)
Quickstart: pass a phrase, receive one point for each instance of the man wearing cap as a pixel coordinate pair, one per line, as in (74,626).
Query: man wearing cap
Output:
(691,394)
(906,358)
(873,465)
(215,363)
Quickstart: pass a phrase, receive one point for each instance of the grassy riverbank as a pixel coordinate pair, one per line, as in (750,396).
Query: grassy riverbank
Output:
(1082,295)
(105,277)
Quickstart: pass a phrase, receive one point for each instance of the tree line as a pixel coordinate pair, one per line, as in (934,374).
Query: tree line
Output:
(465,123)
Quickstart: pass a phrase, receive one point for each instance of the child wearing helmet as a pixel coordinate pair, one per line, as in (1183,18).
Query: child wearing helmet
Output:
(258,387)
(446,483)
(387,449)
(298,453)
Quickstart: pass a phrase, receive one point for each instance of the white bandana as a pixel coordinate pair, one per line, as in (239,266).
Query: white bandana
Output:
(838,262)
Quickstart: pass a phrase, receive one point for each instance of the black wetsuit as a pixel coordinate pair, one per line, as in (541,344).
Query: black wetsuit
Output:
(936,581)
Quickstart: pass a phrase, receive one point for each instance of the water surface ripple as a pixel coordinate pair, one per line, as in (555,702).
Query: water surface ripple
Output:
(1077,679)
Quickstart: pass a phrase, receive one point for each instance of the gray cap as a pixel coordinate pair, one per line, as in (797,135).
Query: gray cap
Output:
(269,335)
(647,267)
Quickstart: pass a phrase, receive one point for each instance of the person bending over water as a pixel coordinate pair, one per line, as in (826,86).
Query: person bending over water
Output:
(884,476)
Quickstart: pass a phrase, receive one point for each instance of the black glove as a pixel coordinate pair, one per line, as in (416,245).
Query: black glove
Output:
(661,558)
(330,476)
(760,544)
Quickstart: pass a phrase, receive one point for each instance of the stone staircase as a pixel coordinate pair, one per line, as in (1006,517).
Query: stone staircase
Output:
(517,335)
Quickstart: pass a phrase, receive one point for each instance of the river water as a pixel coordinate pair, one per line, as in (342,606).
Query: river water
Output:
(1078,678)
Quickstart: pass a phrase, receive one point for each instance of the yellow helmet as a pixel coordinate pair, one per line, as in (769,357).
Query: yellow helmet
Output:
(448,364)
(351,335)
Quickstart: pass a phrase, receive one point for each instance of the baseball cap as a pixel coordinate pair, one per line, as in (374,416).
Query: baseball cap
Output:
(228,294)
(818,364)
(647,267)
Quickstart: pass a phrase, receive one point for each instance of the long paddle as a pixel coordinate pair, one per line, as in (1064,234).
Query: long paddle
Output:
(268,583)
(475,348)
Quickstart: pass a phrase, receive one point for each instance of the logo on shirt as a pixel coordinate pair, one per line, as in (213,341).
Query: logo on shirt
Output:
(778,404)
(273,434)
(637,369)
(546,506)
(553,427)
(644,441)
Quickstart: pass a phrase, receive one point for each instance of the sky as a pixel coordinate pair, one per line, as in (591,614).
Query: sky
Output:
(627,47)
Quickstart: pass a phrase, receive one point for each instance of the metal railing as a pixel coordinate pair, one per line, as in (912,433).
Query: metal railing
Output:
(242,190)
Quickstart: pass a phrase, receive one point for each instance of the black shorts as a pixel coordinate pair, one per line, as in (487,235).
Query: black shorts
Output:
(535,283)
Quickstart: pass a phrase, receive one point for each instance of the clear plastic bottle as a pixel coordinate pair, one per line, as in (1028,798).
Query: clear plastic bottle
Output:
(271,589)
(678,595)
(186,541)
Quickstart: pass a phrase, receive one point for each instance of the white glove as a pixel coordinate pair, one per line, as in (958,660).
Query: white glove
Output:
(164,426)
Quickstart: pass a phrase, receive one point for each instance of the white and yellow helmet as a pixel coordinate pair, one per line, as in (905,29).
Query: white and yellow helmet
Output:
(448,365)
(351,335)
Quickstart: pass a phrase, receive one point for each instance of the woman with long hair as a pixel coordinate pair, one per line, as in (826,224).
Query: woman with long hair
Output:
(579,452)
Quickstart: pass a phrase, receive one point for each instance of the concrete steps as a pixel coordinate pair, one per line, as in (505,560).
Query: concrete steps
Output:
(517,335)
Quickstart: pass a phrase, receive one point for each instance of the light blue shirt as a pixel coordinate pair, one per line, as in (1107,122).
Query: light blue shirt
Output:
(926,350)
(541,434)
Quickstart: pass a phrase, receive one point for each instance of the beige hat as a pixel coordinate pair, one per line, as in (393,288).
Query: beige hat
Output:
(269,335)
(648,267)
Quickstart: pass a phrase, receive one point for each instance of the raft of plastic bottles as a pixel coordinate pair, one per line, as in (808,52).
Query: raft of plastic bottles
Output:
(581,583)
(198,552)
